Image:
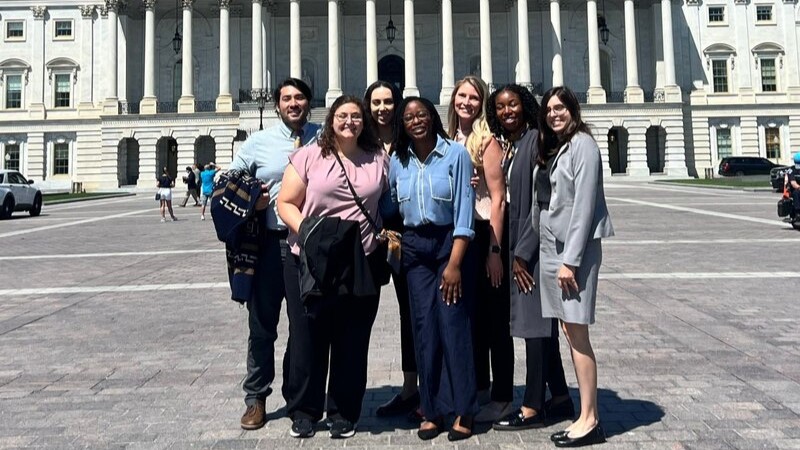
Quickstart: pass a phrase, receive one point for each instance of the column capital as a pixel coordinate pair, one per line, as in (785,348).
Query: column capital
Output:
(258,1)
(149,4)
(224,4)
(87,11)
(114,5)
(103,11)
(187,4)
(38,12)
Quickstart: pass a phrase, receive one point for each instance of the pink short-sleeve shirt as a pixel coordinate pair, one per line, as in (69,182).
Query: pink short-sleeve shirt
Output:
(327,193)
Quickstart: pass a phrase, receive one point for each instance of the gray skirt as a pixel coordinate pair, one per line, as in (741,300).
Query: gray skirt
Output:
(573,307)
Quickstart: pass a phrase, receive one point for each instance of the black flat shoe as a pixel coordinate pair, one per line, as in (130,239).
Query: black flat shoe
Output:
(595,436)
(397,406)
(558,435)
(562,410)
(464,422)
(430,433)
(517,421)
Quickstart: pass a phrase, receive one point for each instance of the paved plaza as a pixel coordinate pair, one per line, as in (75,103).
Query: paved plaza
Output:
(116,331)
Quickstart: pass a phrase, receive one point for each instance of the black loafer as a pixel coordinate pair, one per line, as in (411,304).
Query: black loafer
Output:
(397,406)
(595,436)
(559,411)
(431,433)
(517,421)
(558,435)
(466,422)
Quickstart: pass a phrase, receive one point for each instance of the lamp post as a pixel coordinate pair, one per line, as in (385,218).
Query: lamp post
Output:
(602,26)
(262,96)
(391,30)
(177,40)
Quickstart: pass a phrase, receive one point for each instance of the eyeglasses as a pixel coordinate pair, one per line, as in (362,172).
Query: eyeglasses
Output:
(355,118)
(558,109)
(422,115)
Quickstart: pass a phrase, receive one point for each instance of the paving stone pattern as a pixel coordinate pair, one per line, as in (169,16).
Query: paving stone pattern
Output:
(702,363)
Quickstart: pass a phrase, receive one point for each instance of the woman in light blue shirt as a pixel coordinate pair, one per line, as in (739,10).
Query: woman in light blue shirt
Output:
(429,180)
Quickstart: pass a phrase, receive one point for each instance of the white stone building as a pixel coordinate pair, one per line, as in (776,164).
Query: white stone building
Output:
(104,92)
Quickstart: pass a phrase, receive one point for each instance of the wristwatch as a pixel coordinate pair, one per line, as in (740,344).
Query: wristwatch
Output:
(495,249)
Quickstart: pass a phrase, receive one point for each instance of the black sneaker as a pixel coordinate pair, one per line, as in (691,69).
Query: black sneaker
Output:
(302,428)
(342,429)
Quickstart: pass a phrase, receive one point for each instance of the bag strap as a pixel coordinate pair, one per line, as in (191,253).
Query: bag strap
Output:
(359,203)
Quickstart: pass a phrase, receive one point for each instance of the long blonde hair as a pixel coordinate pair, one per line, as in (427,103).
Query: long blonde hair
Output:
(480,128)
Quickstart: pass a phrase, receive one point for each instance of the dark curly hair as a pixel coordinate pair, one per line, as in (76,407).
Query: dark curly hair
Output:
(327,139)
(402,141)
(549,141)
(530,109)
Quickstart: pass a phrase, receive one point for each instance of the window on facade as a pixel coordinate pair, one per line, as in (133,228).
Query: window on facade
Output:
(62,97)
(769,79)
(63,29)
(716,14)
(11,157)
(764,13)
(61,159)
(719,72)
(724,143)
(13,91)
(15,30)
(773,138)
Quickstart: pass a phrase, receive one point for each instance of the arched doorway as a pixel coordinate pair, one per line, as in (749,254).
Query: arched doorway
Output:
(618,150)
(204,150)
(167,156)
(656,139)
(392,68)
(127,162)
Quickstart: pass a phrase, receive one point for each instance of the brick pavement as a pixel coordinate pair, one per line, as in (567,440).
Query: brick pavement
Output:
(704,362)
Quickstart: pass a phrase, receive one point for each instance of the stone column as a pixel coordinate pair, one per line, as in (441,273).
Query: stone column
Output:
(672,92)
(334,79)
(257,72)
(486,43)
(186,102)
(87,51)
(596,93)
(372,43)
(633,92)
(111,103)
(409,39)
(295,56)
(224,99)
(555,38)
(38,76)
(524,58)
(448,69)
(674,151)
(149,101)
(637,148)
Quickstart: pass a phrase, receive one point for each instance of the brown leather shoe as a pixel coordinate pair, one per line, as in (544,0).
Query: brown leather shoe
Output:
(255,417)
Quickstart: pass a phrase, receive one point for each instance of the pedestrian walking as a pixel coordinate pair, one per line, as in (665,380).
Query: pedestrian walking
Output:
(207,183)
(191,187)
(165,183)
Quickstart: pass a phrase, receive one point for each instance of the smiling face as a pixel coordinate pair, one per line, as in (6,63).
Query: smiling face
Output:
(381,106)
(467,102)
(558,116)
(348,123)
(509,110)
(417,121)
(293,107)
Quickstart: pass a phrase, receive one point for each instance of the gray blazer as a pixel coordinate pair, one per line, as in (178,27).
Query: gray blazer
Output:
(578,210)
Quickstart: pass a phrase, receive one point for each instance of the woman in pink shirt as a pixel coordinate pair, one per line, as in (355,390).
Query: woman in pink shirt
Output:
(315,184)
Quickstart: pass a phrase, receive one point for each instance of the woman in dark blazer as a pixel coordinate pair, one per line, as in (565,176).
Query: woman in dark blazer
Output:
(511,113)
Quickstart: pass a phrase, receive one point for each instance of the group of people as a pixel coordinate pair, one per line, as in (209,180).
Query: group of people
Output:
(199,187)
(501,216)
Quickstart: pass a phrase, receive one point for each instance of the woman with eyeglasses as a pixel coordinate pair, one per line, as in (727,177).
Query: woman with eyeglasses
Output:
(315,184)
(381,100)
(570,218)
(511,114)
(429,180)
(493,347)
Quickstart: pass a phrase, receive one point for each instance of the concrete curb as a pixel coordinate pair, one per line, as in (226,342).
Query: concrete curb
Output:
(84,199)
(724,188)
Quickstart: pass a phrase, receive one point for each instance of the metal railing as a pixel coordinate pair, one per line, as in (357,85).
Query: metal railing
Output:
(205,106)
(129,108)
(167,107)
(615,97)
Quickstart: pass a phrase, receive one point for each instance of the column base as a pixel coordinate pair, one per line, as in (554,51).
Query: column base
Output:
(596,95)
(111,107)
(638,171)
(331,96)
(37,111)
(224,103)
(678,172)
(186,104)
(634,94)
(672,94)
(148,105)
(411,91)
(446,95)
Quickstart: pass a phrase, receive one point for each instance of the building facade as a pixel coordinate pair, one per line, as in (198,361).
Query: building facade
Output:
(99,94)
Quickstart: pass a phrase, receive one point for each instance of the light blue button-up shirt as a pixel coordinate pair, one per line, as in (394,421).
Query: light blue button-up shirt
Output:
(435,191)
(265,154)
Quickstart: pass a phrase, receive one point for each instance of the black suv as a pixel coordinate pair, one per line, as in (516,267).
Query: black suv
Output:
(745,165)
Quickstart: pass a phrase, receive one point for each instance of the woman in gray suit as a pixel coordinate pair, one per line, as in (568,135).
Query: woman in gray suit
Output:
(570,217)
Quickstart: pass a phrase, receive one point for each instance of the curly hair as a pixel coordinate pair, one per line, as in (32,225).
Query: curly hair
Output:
(530,108)
(480,129)
(327,139)
(549,141)
(402,141)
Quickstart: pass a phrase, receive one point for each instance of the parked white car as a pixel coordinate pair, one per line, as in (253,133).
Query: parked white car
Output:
(18,194)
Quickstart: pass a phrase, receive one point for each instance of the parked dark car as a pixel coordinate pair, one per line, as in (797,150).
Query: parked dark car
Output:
(745,165)
(776,176)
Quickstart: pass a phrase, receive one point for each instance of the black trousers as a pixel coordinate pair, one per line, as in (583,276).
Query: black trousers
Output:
(409,363)
(264,310)
(491,327)
(338,329)
(543,370)
(796,202)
